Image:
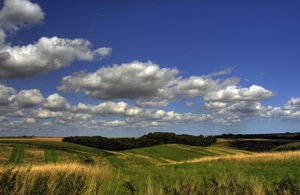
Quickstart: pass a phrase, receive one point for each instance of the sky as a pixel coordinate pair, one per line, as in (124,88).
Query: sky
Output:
(127,68)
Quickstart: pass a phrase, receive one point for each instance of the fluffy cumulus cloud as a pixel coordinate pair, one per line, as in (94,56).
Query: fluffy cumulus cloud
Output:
(44,113)
(55,102)
(233,93)
(55,111)
(202,85)
(293,103)
(24,99)
(6,95)
(246,107)
(29,98)
(215,106)
(18,13)
(46,55)
(130,81)
(151,85)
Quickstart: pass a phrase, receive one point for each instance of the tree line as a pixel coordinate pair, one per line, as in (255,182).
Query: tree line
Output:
(151,139)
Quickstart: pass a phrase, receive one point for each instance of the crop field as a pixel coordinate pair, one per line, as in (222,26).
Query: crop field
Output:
(167,154)
(49,166)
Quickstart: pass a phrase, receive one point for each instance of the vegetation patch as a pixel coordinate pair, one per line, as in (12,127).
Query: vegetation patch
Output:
(259,145)
(288,147)
(17,155)
(50,155)
(151,139)
(33,155)
(161,169)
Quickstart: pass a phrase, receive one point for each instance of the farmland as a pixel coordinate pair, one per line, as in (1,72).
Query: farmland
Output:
(49,166)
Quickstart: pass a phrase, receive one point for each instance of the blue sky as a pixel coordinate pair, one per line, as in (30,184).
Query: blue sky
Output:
(126,68)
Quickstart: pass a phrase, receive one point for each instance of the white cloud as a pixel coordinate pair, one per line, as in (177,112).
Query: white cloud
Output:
(247,107)
(110,108)
(290,110)
(102,52)
(17,13)
(293,104)
(29,98)
(234,93)
(55,102)
(30,120)
(277,112)
(131,81)
(202,85)
(214,106)
(43,113)
(115,123)
(46,55)
(152,102)
(6,95)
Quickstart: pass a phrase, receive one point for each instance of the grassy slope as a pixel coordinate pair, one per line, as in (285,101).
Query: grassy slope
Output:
(39,151)
(50,155)
(187,169)
(170,154)
(45,150)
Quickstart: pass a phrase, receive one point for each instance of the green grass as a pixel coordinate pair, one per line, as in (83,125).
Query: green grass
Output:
(146,170)
(223,175)
(70,147)
(155,155)
(288,147)
(166,154)
(17,155)
(227,176)
(30,151)
(50,155)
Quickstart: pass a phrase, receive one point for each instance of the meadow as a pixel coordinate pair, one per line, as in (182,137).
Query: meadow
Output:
(49,166)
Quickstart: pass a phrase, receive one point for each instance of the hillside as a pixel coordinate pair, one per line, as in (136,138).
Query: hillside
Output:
(49,166)
(17,151)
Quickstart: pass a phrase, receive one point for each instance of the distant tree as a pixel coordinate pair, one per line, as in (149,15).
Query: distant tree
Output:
(150,139)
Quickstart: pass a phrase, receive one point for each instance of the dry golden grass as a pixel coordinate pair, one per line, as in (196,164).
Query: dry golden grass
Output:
(71,178)
(53,139)
(34,155)
(257,157)
(68,167)
(5,151)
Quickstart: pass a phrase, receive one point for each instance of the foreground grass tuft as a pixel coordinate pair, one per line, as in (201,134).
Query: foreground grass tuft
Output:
(55,179)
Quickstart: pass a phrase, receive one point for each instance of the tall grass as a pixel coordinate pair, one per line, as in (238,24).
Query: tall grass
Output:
(277,174)
(208,172)
(56,179)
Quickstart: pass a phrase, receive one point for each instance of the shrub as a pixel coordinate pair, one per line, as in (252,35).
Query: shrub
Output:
(288,147)
(150,139)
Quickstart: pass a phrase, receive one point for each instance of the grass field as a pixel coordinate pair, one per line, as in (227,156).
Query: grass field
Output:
(17,154)
(49,166)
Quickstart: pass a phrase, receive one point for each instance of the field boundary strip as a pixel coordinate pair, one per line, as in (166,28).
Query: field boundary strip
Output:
(17,155)
(267,156)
